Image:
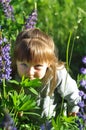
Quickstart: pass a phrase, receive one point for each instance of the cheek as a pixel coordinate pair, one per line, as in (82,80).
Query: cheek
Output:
(41,74)
(21,71)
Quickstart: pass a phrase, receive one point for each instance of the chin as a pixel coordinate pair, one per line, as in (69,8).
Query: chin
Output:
(32,78)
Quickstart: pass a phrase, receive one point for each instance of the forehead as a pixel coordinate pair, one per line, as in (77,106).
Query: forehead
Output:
(34,51)
(32,63)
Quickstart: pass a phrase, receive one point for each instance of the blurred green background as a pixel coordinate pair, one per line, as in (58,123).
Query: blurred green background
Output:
(57,18)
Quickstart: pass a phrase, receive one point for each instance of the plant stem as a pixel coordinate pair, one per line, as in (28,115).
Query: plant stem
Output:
(67,50)
(4,90)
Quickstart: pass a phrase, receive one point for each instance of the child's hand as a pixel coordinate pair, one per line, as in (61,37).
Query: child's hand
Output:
(72,114)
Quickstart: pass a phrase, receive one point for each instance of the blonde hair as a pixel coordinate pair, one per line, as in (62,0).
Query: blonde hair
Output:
(35,46)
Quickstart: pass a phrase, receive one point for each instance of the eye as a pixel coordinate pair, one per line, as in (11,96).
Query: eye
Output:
(38,67)
(24,64)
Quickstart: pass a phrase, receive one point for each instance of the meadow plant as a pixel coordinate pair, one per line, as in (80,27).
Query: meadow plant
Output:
(21,107)
(7,9)
(82,93)
(5,60)
(31,20)
(7,122)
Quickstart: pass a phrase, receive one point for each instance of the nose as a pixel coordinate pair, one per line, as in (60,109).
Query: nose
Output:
(30,72)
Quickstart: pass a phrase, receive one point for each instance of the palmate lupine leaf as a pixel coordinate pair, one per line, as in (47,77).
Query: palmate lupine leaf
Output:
(22,102)
(30,84)
(31,113)
(64,123)
(69,122)
(33,91)
(15,98)
(26,82)
(13,81)
(70,119)
(28,105)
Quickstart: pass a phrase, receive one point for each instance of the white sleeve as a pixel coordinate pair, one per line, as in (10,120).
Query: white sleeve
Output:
(68,90)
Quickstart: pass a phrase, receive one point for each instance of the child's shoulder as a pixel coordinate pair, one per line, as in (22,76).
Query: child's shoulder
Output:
(61,69)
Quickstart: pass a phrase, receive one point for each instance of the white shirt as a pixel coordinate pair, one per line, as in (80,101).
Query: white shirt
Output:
(67,89)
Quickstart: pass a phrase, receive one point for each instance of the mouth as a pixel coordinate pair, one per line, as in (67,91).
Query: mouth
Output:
(31,78)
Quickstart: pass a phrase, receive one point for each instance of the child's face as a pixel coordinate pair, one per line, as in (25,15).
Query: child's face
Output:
(31,70)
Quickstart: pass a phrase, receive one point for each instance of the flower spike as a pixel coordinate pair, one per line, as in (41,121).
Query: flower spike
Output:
(31,21)
(8,9)
(5,63)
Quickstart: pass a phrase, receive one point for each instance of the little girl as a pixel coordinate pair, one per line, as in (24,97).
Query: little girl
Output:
(34,57)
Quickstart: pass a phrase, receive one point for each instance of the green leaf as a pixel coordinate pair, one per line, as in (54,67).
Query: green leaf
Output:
(30,83)
(14,81)
(14,96)
(28,105)
(33,91)
(31,113)
(68,119)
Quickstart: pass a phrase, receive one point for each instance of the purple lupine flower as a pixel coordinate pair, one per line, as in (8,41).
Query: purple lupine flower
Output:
(81,104)
(85,86)
(5,63)
(1,42)
(84,59)
(84,117)
(83,70)
(80,126)
(83,82)
(31,21)
(7,123)
(81,93)
(4,39)
(79,115)
(46,125)
(7,8)
(84,96)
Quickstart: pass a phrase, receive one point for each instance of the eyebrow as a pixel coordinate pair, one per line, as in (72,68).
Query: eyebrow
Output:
(38,65)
